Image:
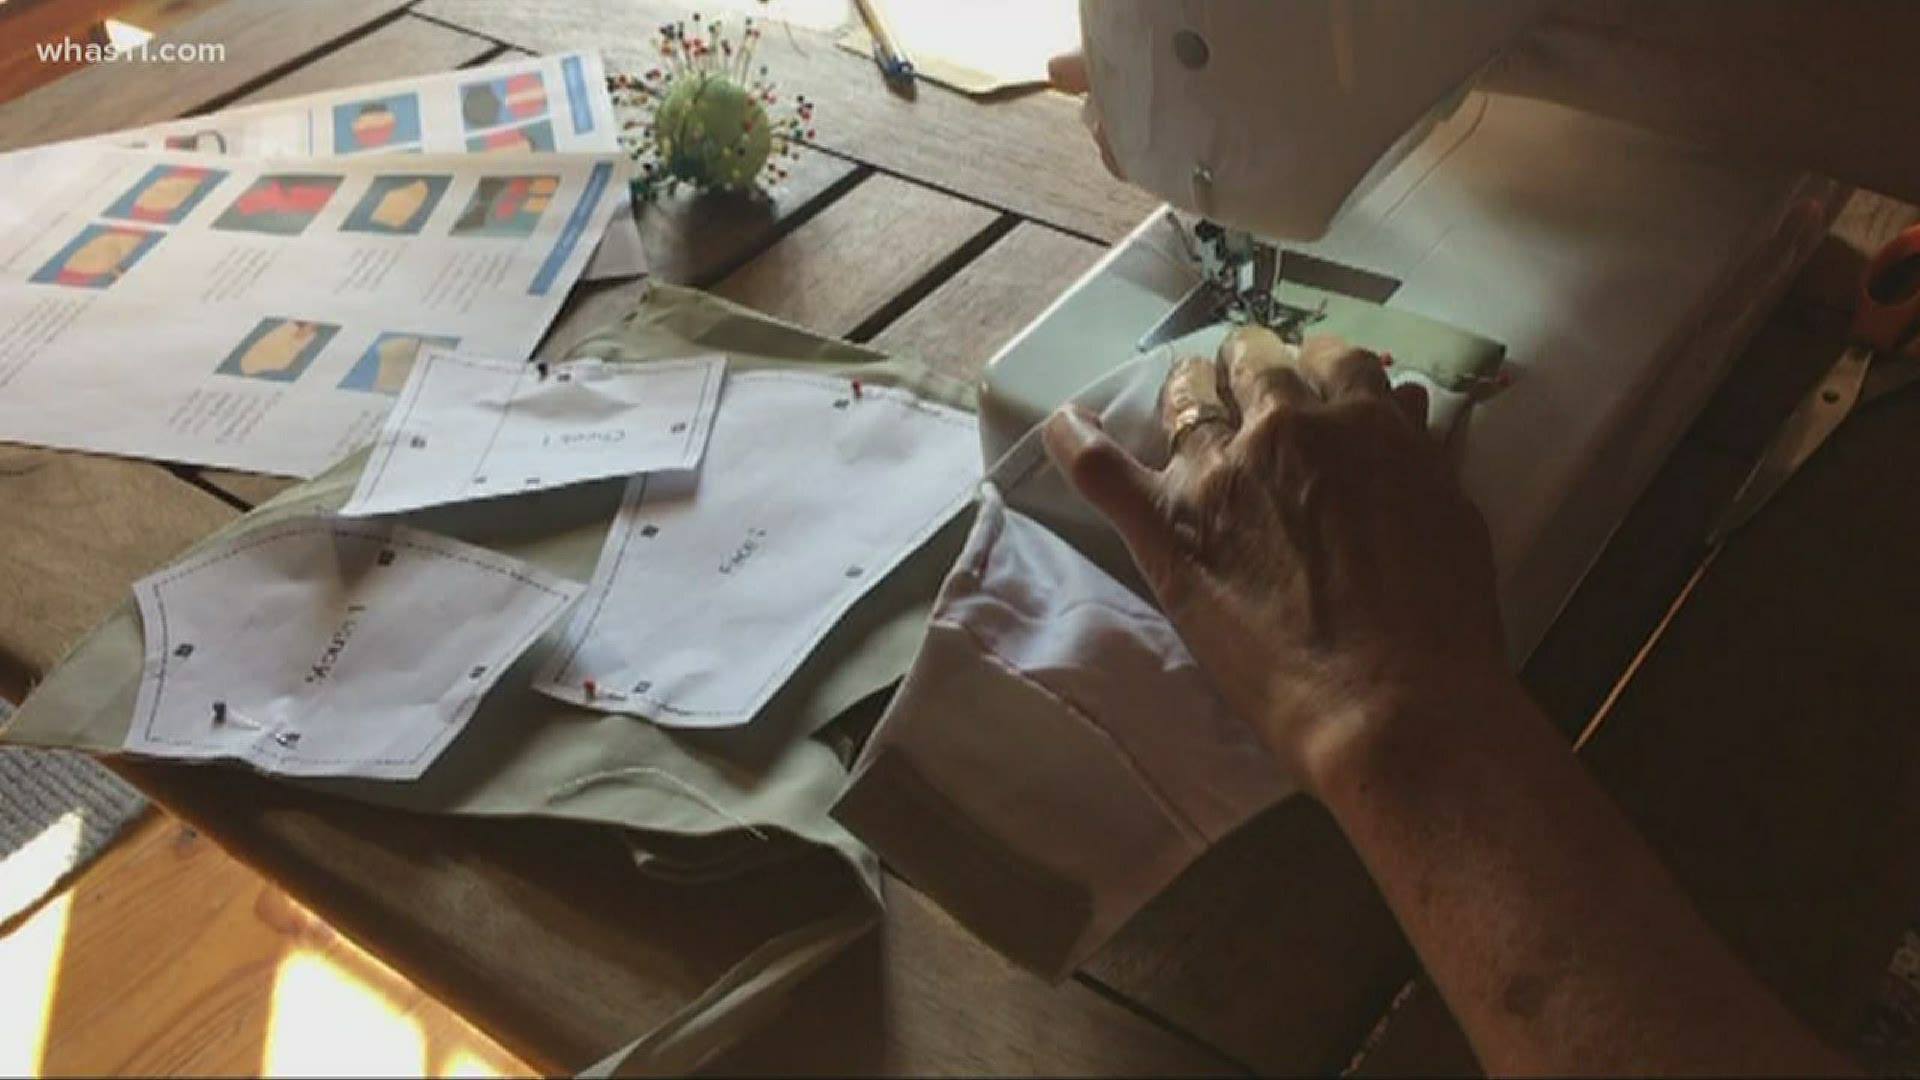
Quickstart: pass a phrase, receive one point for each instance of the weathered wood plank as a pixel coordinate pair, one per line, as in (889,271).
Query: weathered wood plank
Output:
(261,36)
(842,267)
(1028,154)
(1767,746)
(1289,995)
(925,999)
(540,932)
(173,960)
(1627,592)
(961,324)
(26,26)
(402,49)
(696,239)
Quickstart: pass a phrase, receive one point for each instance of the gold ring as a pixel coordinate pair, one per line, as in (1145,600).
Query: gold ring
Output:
(1192,417)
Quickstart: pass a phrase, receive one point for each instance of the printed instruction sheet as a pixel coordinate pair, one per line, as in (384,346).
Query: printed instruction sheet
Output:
(539,105)
(472,428)
(325,647)
(711,591)
(262,316)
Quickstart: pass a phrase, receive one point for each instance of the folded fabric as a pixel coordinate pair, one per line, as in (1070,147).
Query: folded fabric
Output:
(755,795)
(1055,758)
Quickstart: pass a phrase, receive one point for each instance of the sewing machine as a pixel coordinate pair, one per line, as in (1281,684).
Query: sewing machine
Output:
(1622,269)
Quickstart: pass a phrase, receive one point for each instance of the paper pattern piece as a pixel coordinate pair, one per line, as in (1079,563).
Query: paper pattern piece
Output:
(541,104)
(325,647)
(709,594)
(469,428)
(261,316)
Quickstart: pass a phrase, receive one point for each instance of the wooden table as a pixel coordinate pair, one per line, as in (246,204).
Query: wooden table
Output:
(939,226)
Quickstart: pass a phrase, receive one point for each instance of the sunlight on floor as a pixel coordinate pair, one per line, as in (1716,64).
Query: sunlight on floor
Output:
(326,1021)
(464,1066)
(33,868)
(330,1019)
(30,955)
(29,972)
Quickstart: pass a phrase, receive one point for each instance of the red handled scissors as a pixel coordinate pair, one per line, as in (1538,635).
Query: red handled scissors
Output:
(1886,328)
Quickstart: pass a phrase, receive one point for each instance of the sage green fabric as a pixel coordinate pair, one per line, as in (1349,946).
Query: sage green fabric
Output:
(696,805)
(1453,358)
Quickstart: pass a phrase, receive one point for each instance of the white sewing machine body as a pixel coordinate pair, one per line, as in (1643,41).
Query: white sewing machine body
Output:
(1621,269)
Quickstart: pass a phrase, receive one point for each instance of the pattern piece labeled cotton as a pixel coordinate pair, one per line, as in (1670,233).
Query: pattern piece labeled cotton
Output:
(327,647)
(468,428)
(710,593)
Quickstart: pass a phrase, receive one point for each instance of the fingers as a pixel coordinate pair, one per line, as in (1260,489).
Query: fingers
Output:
(1124,491)
(1194,412)
(1411,397)
(1341,371)
(1068,73)
(1261,371)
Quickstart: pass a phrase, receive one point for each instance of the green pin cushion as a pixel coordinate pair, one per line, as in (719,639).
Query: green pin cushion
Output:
(712,132)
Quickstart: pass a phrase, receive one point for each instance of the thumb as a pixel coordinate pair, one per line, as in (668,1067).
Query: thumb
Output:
(1124,491)
(1068,73)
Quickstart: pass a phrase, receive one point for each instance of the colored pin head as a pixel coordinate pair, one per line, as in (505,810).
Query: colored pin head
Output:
(706,116)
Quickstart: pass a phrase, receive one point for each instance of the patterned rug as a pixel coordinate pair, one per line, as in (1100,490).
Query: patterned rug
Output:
(58,812)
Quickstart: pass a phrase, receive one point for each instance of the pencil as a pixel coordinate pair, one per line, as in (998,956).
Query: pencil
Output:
(895,64)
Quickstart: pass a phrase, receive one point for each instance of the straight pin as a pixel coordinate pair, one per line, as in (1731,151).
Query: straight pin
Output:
(222,716)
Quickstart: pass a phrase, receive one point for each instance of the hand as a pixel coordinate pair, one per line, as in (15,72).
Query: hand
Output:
(1306,539)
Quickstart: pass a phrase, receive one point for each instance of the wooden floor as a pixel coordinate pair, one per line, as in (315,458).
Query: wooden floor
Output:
(168,957)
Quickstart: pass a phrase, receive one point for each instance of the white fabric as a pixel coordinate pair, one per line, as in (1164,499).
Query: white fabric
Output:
(469,428)
(327,647)
(710,593)
(1059,715)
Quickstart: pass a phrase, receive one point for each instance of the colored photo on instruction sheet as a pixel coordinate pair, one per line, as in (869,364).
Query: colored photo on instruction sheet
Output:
(384,367)
(279,205)
(278,350)
(388,123)
(205,142)
(529,139)
(397,205)
(507,206)
(97,257)
(166,194)
(510,99)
